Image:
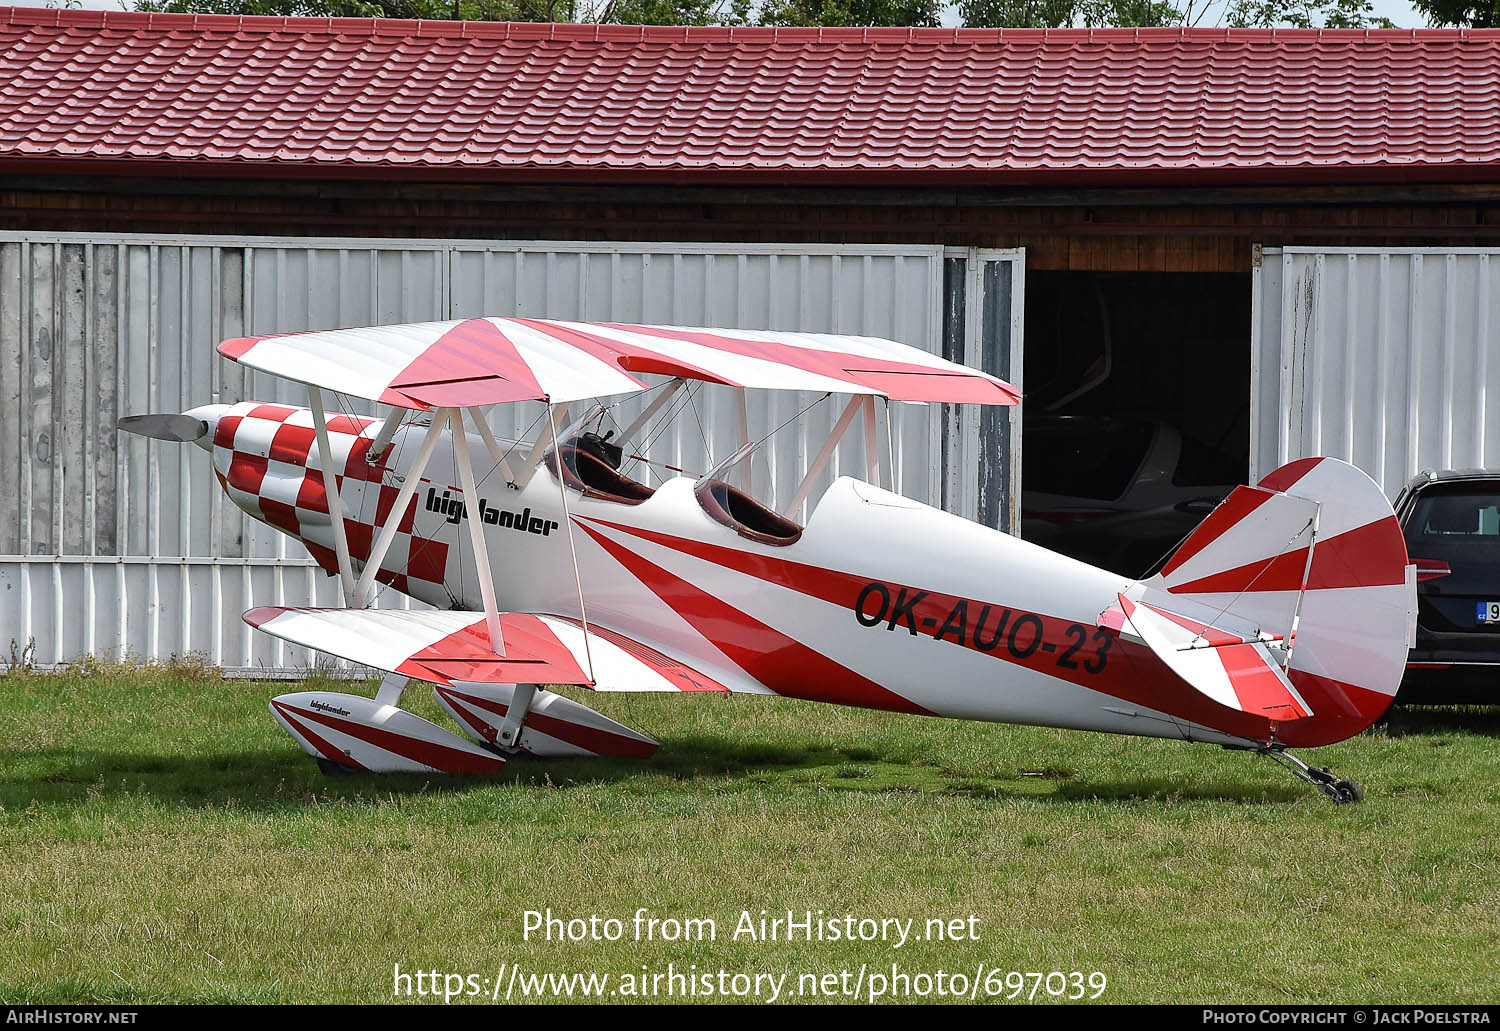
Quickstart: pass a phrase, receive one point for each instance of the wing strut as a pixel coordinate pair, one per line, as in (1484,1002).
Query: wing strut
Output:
(890,449)
(663,395)
(385,436)
(331,492)
(393,519)
(872,452)
(562,490)
(816,469)
(496,452)
(476,524)
(742,411)
(534,456)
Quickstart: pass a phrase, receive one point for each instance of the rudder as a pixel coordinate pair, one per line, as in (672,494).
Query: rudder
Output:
(1312,556)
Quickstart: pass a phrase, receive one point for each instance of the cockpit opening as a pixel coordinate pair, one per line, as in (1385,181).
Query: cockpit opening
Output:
(590,465)
(744,515)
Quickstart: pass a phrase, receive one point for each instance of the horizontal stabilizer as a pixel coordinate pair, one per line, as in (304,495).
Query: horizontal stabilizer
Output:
(445,648)
(1233,669)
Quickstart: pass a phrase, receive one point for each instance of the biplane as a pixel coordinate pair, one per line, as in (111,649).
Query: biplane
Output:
(1282,621)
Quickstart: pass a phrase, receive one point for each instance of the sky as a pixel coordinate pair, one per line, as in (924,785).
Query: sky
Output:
(1399,11)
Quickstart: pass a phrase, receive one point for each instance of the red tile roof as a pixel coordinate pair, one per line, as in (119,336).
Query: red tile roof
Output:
(117,93)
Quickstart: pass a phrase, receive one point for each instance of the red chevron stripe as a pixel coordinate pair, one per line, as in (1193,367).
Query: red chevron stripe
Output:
(1284,478)
(781,663)
(1342,709)
(624,356)
(1133,673)
(825,584)
(329,749)
(473,363)
(1239,504)
(439,757)
(1373,555)
(1256,684)
(593,739)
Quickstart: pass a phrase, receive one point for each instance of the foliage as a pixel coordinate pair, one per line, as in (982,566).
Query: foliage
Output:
(1306,14)
(1479,14)
(1333,14)
(850,12)
(1051,14)
(672,12)
(463,10)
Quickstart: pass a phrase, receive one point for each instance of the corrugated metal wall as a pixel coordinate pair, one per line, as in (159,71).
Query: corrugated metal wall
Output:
(876,291)
(983,326)
(115,545)
(1387,357)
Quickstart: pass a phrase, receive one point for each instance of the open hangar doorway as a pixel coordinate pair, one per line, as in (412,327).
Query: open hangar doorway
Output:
(1136,421)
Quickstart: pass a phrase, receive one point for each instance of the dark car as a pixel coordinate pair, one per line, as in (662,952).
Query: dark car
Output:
(1452,524)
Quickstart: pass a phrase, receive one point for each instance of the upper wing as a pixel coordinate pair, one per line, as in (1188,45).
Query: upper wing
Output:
(442,647)
(487,361)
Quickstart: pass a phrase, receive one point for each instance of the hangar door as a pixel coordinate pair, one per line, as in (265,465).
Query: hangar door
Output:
(984,293)
(115,547)
(1387,357)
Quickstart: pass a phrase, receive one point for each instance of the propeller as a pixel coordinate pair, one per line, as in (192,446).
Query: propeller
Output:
(185,429)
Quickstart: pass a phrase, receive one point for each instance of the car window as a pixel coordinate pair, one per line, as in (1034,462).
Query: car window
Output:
(1454,519)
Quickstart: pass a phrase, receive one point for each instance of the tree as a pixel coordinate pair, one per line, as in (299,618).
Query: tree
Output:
(1478,14)
(1240,14)
(614,12)
(1305,14)
(850,12)
(670,12)
(464,10)
(1333,14)
(1052,14)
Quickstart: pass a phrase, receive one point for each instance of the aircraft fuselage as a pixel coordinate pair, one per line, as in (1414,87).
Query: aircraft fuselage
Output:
(881,602)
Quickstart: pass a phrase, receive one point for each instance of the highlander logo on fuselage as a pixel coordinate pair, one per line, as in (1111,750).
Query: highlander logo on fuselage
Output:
(453,509)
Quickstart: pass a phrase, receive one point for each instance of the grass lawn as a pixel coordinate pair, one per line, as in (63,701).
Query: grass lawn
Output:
(161,839)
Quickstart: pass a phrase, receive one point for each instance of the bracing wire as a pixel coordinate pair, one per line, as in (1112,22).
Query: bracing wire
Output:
(583,615)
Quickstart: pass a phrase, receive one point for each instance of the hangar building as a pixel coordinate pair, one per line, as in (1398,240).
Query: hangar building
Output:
(1199,252)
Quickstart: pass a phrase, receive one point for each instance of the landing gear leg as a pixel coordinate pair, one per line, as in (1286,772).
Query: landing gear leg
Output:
(1340,790)
(508,738)
(392,687)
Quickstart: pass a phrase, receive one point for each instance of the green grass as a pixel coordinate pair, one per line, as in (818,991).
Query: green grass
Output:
(161,839)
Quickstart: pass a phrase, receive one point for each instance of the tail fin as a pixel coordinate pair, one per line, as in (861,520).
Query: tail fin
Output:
(1301,589)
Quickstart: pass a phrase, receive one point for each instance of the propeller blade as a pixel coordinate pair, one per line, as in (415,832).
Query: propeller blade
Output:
(182,428)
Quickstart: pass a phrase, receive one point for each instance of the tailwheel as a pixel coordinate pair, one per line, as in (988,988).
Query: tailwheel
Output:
(1341,791)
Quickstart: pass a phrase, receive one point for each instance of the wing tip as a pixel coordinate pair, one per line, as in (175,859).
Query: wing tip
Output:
(263,614)
(234,348)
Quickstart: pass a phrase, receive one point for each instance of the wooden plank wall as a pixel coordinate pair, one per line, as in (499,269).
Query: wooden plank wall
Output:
(1059,231)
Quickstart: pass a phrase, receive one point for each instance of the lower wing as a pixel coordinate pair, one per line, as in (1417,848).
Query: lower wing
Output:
(444,647)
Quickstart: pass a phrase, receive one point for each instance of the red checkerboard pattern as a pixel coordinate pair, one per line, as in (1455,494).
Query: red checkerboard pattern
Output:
(266,458)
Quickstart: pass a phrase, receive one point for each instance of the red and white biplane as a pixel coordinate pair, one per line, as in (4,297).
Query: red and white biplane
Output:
(1283,620)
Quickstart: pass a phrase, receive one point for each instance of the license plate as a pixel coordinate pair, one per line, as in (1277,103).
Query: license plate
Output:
(1489,612)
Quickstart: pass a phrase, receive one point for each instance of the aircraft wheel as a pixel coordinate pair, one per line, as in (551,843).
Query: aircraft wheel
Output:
(1347,791)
